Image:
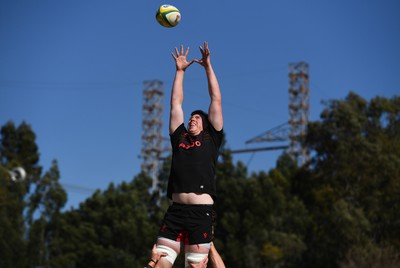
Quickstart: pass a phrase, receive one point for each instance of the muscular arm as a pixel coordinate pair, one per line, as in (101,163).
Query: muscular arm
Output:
(215,109)
(176,113)
(215,258)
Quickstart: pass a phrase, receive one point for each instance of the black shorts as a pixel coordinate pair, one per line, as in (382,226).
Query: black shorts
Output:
(188,224)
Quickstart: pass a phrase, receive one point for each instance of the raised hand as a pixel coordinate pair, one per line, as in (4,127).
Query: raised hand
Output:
(205,53)
(180,57)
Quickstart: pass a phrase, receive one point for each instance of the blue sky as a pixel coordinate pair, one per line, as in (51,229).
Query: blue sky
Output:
(74,71)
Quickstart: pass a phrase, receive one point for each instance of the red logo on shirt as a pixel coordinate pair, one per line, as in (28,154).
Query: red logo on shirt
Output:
(191,145)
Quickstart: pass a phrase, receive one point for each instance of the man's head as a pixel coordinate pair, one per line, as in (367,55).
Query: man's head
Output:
(198,121)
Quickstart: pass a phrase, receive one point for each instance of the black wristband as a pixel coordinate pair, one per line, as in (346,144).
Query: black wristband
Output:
(151,261)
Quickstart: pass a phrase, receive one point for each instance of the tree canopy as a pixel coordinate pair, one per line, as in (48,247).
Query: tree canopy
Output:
(339,210)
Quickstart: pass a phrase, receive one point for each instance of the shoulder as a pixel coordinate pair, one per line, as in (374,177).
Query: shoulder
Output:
(179,131)
(211,129)
(217,135)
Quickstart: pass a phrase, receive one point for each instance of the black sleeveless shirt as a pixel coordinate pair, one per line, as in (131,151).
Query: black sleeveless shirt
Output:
(194,159)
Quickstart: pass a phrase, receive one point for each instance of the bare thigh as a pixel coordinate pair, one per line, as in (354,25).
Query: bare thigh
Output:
(163,262)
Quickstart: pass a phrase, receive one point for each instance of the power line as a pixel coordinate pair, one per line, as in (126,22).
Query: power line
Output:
(112,85)
(282,147)
(65,85)
(78,189)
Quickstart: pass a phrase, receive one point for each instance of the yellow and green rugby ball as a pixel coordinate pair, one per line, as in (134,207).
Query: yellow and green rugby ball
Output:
(168,16)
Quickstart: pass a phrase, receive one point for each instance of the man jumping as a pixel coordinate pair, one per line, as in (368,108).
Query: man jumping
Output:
(191,184)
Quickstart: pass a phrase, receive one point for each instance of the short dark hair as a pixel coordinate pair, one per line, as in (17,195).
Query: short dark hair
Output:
(204,117)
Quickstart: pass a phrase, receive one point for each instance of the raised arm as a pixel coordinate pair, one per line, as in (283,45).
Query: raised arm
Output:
(215,110)
(215,258)
(176,113)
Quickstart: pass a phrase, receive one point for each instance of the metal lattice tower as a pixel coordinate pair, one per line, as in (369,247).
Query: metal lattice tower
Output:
(299,109)
(152,140)
(295,129)
(278,133)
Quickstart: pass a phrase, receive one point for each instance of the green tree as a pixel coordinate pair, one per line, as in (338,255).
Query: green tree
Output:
(372,256)
(17,149)
(114,228)
(46,202)
(231,182)
(340,210)
(352,187)
(260,222)
(28,208)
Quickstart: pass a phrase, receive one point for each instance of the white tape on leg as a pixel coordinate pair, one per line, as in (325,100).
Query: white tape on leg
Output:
(172,254)
(194,258)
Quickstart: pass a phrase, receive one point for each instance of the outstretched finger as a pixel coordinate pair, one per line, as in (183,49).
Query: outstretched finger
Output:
(206,49)
(201,49)
(181,50)
(187,52)
(176,52)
